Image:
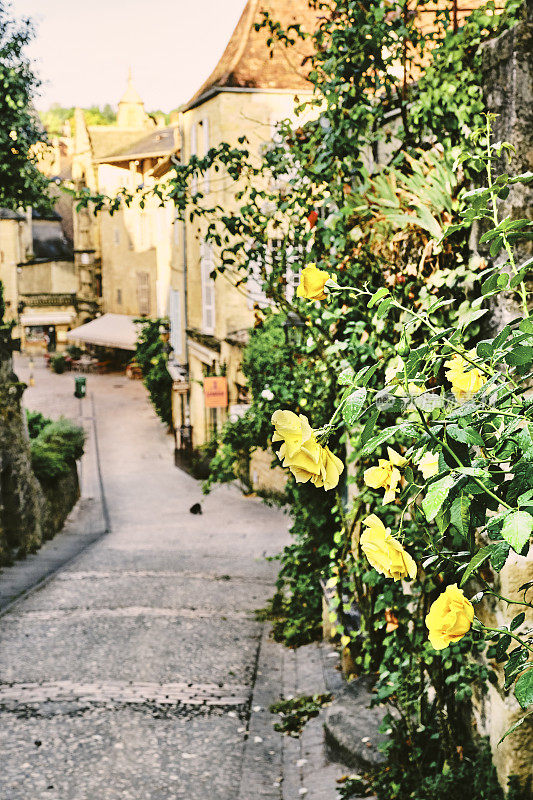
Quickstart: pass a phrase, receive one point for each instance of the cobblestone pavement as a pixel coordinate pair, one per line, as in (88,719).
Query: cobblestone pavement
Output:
(138,671)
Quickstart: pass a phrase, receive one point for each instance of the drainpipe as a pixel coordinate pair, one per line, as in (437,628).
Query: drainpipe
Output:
(185,412)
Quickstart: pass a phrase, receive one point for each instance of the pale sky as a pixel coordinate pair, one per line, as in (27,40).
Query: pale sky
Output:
(84,48)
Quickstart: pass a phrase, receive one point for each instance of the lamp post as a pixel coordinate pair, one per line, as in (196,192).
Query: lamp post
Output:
(293,330)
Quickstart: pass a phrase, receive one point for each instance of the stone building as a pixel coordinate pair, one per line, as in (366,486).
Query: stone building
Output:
(39,277)
(248,92)
(125,258)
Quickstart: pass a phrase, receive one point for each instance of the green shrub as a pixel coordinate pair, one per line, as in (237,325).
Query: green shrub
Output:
(55,449)
(151,357)
(36,423)
(58,363)
(74,351)
(48,463)
(66,437)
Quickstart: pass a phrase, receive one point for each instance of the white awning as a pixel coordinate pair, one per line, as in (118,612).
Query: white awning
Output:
(47,318)
(109,330)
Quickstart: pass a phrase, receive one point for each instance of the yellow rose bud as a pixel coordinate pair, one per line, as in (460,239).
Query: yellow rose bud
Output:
(312,282)
(386,475)
(465,379)
(449,618)
(385,553)
(429,465)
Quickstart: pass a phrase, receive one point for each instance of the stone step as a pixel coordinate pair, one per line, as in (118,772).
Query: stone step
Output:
(352,727)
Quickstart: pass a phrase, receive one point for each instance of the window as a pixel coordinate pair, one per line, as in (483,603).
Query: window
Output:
(143,293)
(119,297)
(174,313)
(208,287)
(194,151)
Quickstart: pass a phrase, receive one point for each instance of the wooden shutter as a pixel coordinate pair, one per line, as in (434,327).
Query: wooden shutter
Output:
(208,288)
(143,292)
(174,313)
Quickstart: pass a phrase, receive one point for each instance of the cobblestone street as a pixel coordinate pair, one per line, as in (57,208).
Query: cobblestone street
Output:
(137,670)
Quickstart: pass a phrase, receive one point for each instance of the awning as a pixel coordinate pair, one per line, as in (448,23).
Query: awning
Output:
(47,318)
(109,330)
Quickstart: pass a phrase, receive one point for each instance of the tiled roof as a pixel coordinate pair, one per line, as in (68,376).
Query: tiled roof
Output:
(159,142)
(107,139)
(6,213)
(247,62)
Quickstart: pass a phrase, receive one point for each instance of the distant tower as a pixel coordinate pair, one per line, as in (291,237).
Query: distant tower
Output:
(131,113)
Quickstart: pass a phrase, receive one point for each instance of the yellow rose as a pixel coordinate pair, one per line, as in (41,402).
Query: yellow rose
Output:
(429,465)
(302,454)
(465,379)
(331,469)
(385,553)
(312,282)
(296,433)
(386,475)
(449,618)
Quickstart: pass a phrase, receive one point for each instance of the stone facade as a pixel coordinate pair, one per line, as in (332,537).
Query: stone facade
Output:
(508,82)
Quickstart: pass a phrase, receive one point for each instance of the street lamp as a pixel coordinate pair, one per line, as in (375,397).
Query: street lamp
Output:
(293,330)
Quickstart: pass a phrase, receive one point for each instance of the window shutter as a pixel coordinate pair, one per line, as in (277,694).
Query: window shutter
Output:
(208,287)
(143,292)
(174,312)
(205,131)
(194,151)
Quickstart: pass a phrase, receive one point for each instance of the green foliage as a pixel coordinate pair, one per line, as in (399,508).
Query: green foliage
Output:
(74,351)
(65,436)
(36,423)
(151,357)
(297,711)
(48,463)
(21,183)
(429,776)
(58,364)
(55,117)
(55,447)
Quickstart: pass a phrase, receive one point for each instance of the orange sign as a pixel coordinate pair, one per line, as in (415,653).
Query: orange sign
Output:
(216,392)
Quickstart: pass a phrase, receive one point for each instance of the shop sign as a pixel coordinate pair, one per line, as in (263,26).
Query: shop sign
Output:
(216,392)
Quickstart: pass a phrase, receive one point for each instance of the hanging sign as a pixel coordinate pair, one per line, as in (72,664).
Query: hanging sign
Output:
(216,392)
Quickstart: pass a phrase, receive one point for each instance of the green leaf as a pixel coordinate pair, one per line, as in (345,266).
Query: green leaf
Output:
(346,377)
(517,621)
(465,435)
(499,554)
(460,515)
(515,726)
(475,562)
(437,494)
(377,296)
(517,529)
(369,427)
(522,354)
(523,689)
(354,406)
(375,442)
(384,307)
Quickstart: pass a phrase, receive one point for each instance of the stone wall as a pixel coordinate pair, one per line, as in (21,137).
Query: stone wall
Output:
(29,513)
(22,503)
(508,85)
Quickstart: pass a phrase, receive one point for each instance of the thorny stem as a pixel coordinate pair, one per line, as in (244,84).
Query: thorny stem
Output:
(459,462)
(504,631)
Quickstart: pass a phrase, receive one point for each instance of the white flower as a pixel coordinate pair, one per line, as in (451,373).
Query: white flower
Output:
(266,394)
